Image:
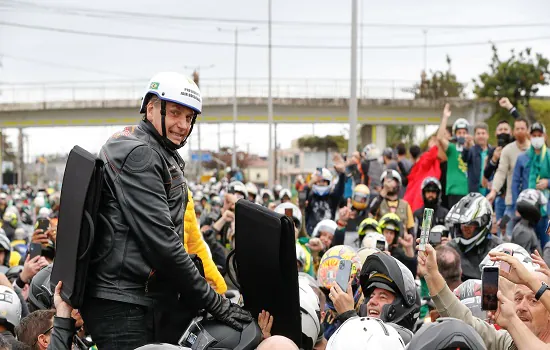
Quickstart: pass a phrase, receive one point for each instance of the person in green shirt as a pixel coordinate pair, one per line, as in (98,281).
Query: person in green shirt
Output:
(457,169)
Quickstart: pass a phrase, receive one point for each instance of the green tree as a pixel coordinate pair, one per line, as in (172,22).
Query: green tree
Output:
(396,134)
(518,77)
(439,85)
(329,142)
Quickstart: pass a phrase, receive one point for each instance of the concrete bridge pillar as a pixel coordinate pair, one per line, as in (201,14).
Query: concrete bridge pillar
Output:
(373,134)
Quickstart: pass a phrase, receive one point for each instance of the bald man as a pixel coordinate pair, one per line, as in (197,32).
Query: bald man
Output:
(531,312)
(277,342)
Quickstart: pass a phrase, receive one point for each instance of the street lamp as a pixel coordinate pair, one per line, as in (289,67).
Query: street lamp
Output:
(236,31)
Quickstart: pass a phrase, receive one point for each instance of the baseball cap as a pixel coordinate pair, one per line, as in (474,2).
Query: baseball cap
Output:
(537,126)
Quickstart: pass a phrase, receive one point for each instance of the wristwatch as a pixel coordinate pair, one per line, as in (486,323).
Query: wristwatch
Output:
(542,289)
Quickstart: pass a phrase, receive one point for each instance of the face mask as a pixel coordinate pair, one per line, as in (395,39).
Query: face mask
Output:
(461,140)
(537,142)
(321,190)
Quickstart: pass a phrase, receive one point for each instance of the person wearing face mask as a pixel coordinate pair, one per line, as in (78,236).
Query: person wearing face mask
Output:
(504,137)
(532,171)
(507,162)
(457,168)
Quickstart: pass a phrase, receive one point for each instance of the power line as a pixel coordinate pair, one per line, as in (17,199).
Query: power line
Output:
(102,13)
(63,66)
(253,45)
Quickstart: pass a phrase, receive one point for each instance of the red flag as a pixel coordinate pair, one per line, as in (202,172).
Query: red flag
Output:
(427,165)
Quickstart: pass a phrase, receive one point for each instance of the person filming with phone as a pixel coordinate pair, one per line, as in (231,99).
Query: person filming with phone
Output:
(145,273)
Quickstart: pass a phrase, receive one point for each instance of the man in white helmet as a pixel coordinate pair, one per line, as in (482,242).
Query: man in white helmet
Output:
(457,168)
(145,273)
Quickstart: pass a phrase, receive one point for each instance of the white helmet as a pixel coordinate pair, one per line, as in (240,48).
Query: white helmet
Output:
(39,202)
(44,212)
(324,226)
(285,192)
(296,213)
(251,188)
(473,208)
(371,152)
(460,123)
(310,314)
(322,190)
(372,238)
(393,174)
(176,88)
(212,180)
(198,196)
(366,333)
(10,306)
(518,252)
(173,87)
(238,187)
(265,191)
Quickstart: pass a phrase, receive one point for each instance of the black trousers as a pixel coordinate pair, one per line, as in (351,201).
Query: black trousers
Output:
(118,325)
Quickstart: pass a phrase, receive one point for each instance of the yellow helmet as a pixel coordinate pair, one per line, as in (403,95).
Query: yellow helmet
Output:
(360,197)
(367,225)
(390,221)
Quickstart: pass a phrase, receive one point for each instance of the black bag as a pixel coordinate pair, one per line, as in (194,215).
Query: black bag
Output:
(79,204)
(265,253)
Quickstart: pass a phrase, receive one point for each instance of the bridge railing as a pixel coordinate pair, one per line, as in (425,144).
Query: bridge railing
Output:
(211,88)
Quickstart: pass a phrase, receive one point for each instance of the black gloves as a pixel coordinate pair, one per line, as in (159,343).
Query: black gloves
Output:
(231,314)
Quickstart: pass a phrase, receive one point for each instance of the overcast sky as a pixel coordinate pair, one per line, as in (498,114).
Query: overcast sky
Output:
(40,55)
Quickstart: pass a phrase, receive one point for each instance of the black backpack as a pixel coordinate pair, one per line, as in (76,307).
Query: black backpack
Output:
(78,215)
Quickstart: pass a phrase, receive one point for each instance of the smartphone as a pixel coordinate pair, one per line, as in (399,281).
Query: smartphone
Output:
(489,288)
(435,238)
(504,266)
(35,250)
(426,226)
(288,212)
(42,224)
(504,221)
(342,276)
(381,244)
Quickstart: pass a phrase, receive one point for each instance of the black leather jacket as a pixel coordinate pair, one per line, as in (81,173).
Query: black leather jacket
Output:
(470,261)
(143,199)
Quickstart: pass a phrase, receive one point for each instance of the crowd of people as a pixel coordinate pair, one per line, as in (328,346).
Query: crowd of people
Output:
(165,259)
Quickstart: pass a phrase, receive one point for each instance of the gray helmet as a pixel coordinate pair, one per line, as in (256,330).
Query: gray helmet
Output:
(447,333)
(6,246)
(10,307)
(40,293)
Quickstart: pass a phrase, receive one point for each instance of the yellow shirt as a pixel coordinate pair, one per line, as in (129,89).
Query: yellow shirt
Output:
(195,244)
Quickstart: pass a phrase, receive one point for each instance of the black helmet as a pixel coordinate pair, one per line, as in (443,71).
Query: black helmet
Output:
(14,272)
(215,335)
(383,271)
(447,333)
(431,184)
(529,204)
(40,294)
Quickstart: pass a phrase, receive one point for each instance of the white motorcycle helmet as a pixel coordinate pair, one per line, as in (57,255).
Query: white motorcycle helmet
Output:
(372,238)
(238,187)
(472,209)
(518,252)
(285,192)
(365,333)
(296,213)
(310,313)
(324,226)
(322,190)
(10,307)
(252,189)
(176,88)
(460,123)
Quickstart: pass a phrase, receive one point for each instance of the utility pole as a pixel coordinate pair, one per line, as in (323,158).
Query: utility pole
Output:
(236,33)
(271,163)
(20,160)
(352,144)
(361,53)
(196,78)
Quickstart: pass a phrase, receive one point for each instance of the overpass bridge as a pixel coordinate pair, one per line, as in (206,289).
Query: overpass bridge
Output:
(297,101)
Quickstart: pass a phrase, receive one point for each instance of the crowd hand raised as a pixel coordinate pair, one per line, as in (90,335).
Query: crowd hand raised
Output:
(345,212)
(505,103)
(537,259)
(447,111)
(228,216)
(505,313)
(315,244)
(427,262)
(339,163)
(62,309)
(518,273)
(265,321)
(342,301)
(31,267)
(39,236)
